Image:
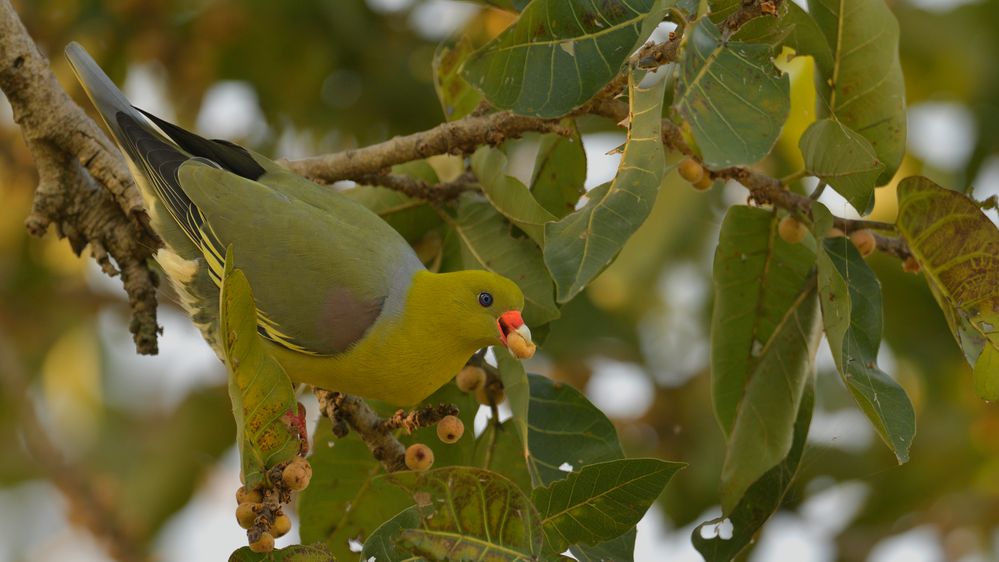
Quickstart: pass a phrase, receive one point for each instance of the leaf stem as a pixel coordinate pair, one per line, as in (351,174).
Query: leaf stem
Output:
(817,192)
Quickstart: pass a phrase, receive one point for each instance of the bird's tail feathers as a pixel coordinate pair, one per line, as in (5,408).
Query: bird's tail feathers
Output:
(106,97)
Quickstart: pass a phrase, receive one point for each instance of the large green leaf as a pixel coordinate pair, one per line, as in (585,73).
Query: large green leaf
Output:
(457,97)
(559,172)
(560,52)
(581,245)
(762,499)
(344,501)
(263,399)
(731,95)
(850,295)
(501,450)
(844,159)
(566,432)
(757,277)
(763,430)
(863,88)
(600,502)
(293,553)
(487,243)
(460,514)
(510,197)
(764,334)
(958,249)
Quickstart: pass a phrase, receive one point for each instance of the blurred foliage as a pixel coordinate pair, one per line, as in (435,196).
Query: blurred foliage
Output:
(334,74)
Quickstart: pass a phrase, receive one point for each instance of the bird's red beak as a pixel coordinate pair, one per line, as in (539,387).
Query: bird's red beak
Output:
(508,322)
(515,334)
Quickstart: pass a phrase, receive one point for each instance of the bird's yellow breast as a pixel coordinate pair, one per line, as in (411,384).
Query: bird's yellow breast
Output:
(391,364)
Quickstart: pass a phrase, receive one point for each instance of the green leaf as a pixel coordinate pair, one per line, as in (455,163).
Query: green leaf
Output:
(559,53)
(763,498)
(501,450)
(487,243)
(564,427)
(460,514)
(600,502)
(958,249)
(863,88)
(510,197)
(581,245)
(457,97)
(384,544)
(344,501)
(517,390)
(850,295)
(618,549)
(293,553)
(763,431)
(764,334)
(731,95)
(757,277)
(844,159)
(263,399)
(559,172)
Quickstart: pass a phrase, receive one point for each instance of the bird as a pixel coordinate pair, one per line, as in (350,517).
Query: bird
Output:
(343,302)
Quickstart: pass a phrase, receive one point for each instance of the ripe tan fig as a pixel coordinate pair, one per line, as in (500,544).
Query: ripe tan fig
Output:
(791,230)
(419,457)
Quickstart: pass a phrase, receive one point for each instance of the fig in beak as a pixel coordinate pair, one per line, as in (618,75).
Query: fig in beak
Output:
(515,335)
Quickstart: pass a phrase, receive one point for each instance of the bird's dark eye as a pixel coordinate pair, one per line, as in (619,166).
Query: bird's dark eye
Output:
(485,299)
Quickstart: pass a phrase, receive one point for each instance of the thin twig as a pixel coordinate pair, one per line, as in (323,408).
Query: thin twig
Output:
(419,189)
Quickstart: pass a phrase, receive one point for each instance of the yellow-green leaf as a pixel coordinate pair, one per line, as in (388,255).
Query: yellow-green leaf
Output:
(461,513)
(510,197)
(263,399)
(957,247)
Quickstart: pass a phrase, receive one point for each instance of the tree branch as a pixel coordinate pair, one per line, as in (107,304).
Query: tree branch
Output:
(84,187)
(347,412)
(456,137)
(420,189)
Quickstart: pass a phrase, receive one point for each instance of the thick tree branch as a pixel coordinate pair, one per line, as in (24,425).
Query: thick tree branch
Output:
(84,187)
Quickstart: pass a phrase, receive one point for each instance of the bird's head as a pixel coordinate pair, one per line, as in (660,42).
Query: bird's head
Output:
(485,309)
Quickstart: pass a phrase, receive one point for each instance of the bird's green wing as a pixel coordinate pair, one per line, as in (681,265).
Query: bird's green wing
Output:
(321,278)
